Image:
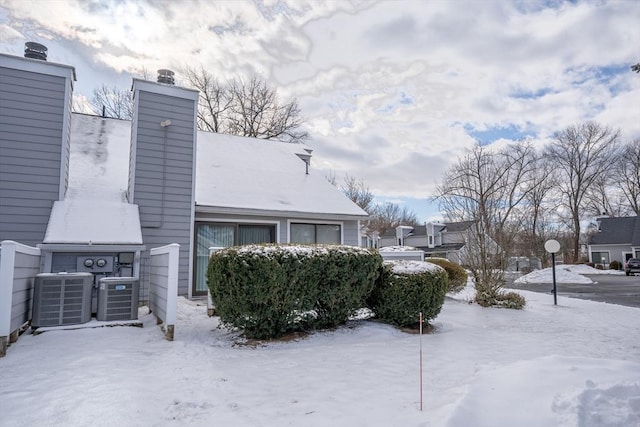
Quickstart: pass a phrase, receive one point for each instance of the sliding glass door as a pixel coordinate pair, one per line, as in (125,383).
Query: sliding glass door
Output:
(223,235)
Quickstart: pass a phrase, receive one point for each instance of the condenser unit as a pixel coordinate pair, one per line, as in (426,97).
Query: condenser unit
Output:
(62,299)
(118,298)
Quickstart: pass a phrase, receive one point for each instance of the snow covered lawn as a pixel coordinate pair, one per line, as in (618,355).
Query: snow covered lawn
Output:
(575,364)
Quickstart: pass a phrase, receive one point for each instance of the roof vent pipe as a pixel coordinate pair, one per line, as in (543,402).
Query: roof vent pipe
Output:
(35,50)
(166,76)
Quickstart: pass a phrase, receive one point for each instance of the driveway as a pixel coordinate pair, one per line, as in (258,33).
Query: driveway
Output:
(614,289)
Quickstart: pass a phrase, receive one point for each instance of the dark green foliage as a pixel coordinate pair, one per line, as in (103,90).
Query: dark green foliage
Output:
(501,299)
(615,265)
(270,290)
(399,297)
(456,274)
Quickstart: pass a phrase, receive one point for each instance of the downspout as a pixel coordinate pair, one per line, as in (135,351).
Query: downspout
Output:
(164,124)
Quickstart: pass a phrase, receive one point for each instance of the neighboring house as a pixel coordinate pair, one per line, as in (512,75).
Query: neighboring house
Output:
(445,240)
(617,239)
(75,184)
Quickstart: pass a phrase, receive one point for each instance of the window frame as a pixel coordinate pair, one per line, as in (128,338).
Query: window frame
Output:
(291,222)
(273,225)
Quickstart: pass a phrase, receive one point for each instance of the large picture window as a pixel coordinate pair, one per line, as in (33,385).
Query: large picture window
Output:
(224,235)
(600,257)
(315,233)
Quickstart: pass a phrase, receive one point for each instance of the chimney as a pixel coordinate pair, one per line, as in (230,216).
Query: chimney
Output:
(35,50)
(166,77)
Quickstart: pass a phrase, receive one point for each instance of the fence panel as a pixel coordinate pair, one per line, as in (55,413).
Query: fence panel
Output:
(19,264)
(163,286)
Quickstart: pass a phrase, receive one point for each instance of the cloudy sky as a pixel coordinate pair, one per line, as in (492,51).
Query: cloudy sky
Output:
(392,91)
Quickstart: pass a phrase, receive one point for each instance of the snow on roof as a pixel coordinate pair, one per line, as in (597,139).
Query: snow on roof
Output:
(232,172)
(248,173)
(95,209)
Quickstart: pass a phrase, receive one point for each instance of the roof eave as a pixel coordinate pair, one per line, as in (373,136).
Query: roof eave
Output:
(278,213)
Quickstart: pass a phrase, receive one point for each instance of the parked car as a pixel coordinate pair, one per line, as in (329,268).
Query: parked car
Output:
(632,266)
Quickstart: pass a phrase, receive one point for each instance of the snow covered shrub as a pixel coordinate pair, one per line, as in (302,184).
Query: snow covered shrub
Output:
(456,274)
(270,290)
(501,299)
(345,278)
(406,288)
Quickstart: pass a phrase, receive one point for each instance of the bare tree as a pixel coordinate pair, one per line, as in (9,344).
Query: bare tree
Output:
(255,111)
(358,191)
(536,211)
(486,187)
(386,216)
(111,101)
(628,174)
(583,155)
(244,107)
(215,99)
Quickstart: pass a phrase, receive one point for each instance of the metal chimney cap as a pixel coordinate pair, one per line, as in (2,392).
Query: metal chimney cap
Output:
(35,50)
(166,76)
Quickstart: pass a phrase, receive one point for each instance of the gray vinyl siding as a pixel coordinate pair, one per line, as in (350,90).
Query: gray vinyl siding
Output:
(351,233)
(34,127)
(163,188)
(616,252)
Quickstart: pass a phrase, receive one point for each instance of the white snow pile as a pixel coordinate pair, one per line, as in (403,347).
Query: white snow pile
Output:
(565,273)
(398,249)
(575,364)
(587,269)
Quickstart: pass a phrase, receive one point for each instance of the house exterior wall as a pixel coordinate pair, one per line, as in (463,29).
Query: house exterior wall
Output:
(614,253)
(350,231)
(35,117)
(162,171)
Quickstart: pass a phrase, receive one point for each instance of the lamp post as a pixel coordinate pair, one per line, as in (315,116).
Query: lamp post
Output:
(553,246)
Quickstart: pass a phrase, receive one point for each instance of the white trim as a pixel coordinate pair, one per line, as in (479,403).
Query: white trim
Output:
(316,216)
(242,221)
(317,222)
(165,89)
(37,66)
(192,225)
(61,247)
(65,152)
(133,147)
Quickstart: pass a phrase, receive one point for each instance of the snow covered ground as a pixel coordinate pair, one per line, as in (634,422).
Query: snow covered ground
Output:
(565,273)
(575,364)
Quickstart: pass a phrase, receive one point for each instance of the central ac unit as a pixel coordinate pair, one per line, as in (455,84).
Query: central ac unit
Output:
(62,299)
(118,298)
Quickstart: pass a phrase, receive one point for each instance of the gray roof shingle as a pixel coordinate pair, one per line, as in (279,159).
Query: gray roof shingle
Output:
(614,231)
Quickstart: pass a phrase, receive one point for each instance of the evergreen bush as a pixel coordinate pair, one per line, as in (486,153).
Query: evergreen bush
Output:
(270,290)
(500,299)
(456,274)
(404,289)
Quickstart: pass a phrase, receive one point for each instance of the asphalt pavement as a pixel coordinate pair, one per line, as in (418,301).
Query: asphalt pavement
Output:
(614,289)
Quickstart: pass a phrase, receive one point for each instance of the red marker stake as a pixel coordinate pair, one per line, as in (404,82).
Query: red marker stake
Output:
(420,361)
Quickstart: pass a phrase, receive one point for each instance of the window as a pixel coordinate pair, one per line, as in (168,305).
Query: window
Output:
(315,233)
(600,257)
(224,235)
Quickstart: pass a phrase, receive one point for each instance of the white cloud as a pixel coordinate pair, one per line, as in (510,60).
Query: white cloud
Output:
(387,87)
